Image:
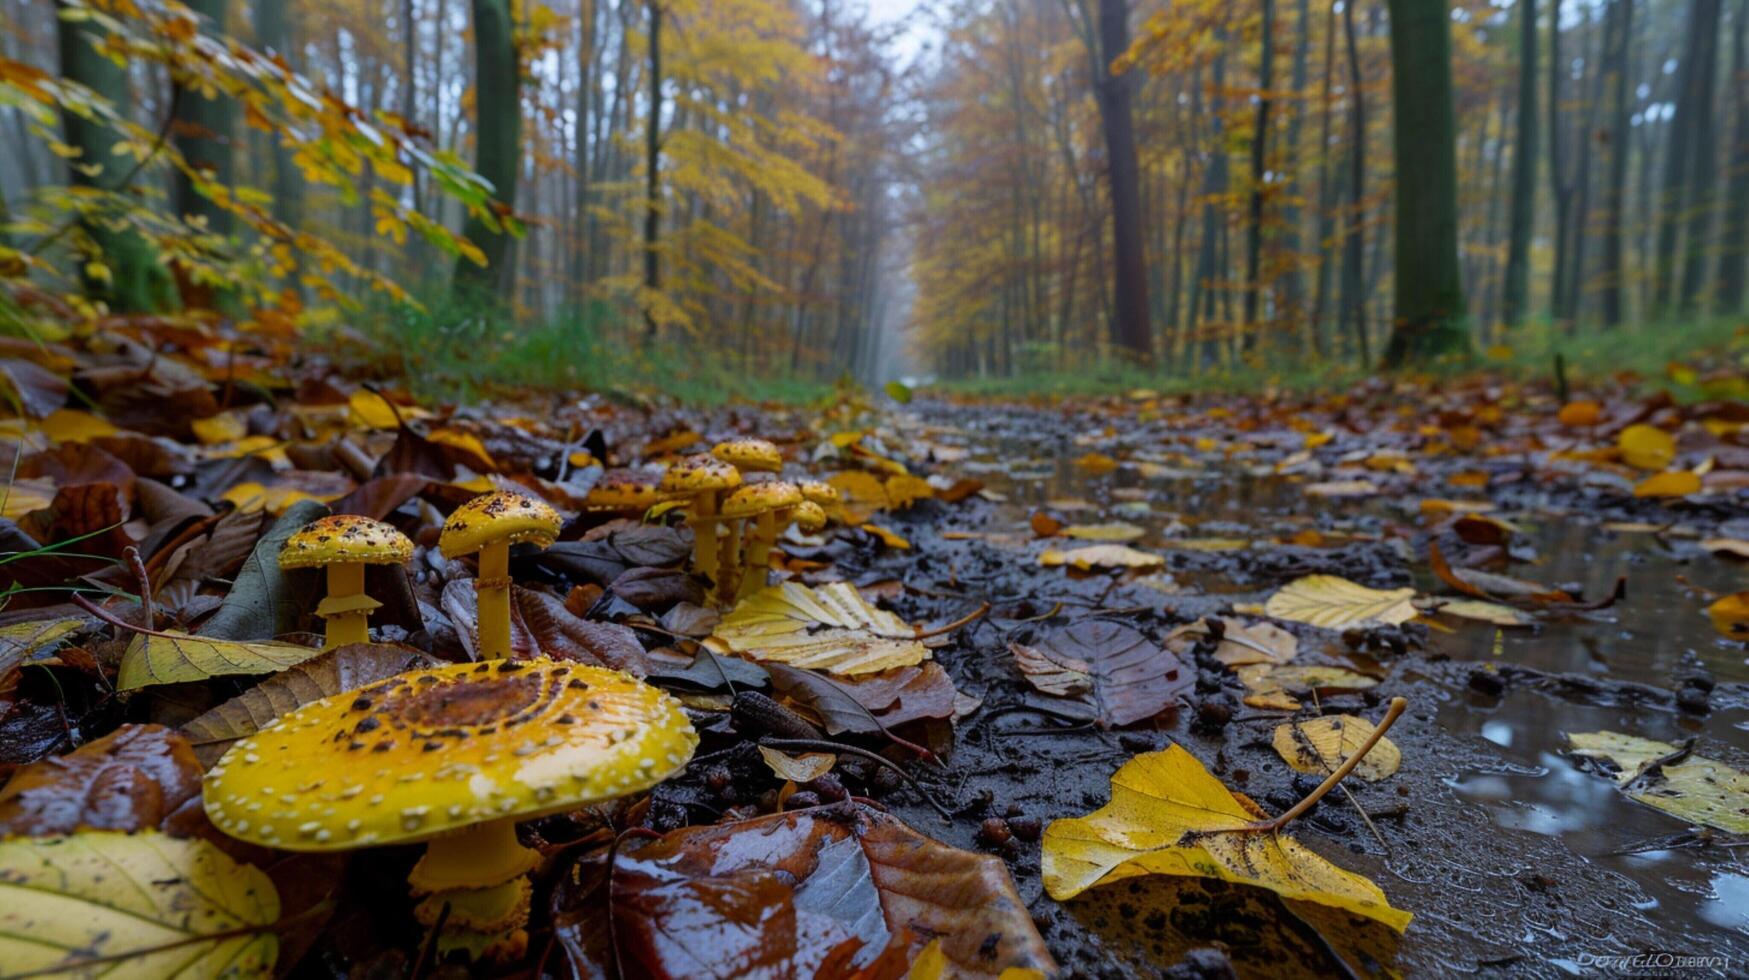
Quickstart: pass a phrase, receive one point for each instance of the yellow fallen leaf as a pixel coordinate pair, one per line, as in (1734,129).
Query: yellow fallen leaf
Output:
(832,628)
(172,657)
(249,497)
(1334,602)
(1270,684)
(1342,488)
(1730,615)
(1320,745)
(479,459)
(1673,483)
(803,768)
(904,489)
(1437,507)
(1100,556)
(221,428)
(1646,447)
(72,425)
(1692,787)
(1207,544)
(1168,816)
(1096,463)
(888,538)
(1482,611)
(23,496)
(1579,414)
(367,410)
(1727,546)
(1114,531)
(1258,643)
(133,905)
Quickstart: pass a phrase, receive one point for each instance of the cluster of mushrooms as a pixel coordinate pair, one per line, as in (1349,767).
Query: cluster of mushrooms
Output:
(454,756)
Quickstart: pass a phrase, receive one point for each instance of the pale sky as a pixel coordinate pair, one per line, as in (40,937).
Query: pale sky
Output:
(904,14)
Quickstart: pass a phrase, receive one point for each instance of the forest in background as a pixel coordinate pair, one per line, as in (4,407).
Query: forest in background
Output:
(1059,183)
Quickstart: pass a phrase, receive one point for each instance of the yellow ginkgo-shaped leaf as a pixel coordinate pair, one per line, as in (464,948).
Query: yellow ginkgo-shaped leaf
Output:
(832,628)
(1646,447)
(1334,602)
(172,658)
(1692,787)
(1101,556)
(1168,816)
(1320,745)
(134,905)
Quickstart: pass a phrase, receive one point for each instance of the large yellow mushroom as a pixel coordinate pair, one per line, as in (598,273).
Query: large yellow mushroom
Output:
(490,524)
(453,756)
(700,479)
(344,544)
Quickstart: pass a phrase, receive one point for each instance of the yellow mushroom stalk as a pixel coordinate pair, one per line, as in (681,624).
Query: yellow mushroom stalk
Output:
(699,479)
(770,504)
(489,524)
(452,756)
(343,545)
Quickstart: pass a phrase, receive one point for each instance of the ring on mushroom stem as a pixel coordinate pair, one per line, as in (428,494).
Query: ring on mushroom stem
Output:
(700,479)
(453,757)
(343,544)
(490,524)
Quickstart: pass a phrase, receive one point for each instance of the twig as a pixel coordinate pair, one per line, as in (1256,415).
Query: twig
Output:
(956,624)
(139,568)
(1271,826)
(110,618)
(825,745)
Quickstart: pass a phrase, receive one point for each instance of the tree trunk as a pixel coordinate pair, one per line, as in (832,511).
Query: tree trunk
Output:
(1736,228)
(135,282)
(498,153)
(1700,201)
(1560,182)
(1620,143)
(1515,298)
(1130,331)
(1259,169)
(652,170)
(1679,191)
(204,130)
(1354,247)
(1430,299)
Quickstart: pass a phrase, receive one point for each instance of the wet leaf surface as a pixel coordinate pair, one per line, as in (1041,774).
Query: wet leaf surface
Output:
(129,780)
(1119,673)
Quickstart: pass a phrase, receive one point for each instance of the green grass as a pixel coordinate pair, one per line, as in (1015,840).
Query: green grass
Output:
(1528,353)
(449,352)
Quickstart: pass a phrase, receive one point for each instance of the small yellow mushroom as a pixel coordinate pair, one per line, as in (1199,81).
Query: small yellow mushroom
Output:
(490,524)
(700,479)
(344,544)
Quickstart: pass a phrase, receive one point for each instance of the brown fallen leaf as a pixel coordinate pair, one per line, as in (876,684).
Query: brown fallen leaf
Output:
(128,780)
(1113,668)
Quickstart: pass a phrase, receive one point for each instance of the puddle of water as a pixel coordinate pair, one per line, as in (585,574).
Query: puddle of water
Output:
(1658,636)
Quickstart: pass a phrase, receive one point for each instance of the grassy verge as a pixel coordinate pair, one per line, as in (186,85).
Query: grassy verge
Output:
(1648,351)
(451,353)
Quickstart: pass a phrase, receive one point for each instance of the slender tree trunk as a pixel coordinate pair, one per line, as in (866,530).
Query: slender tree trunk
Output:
(1560,181)
(1703,181)
(1130,330)
(653,170)
(1354,248)
(204,131)
(1430,299)
(1678,190)
(1735,234)
(132,280)
(1259,170)
(1620,143)
(498,153)
(1515,298)
(1327,192)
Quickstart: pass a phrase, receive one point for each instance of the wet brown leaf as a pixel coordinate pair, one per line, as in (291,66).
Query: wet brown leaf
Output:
(1124,676)
(128,780)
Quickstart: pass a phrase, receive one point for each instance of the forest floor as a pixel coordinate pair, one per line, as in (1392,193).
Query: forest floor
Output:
(1096,581)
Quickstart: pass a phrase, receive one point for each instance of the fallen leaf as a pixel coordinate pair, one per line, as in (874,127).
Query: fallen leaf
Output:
(869,703)
(1730,615)
(1320,745)
(886,537)
(832,628)
(1342,488)
(1580,414)
(1115,531)
(1258,643)
(1333,602)
(138,905)
(1167,815)
(814,892)
(1483,612)
(1646,447)
(803,768)
(1096,463)
(1736,547)
(22,641)
(1694,788)
(1120,673)
(128,780)
(1101,556)
(173,657)
(1270,684)
(1673,483)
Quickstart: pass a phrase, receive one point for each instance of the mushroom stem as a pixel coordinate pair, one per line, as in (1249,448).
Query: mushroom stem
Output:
(731,558)
(346,579)
(482,856)
(493,591)
(755,574)
(704,534)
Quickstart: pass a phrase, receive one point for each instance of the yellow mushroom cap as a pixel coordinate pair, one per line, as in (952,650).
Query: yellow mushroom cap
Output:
(819,492)
(699,474)
(624,490)
(345,538)
(809,516)
(433,751)
(749,454)
(757,498)
(497,516)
